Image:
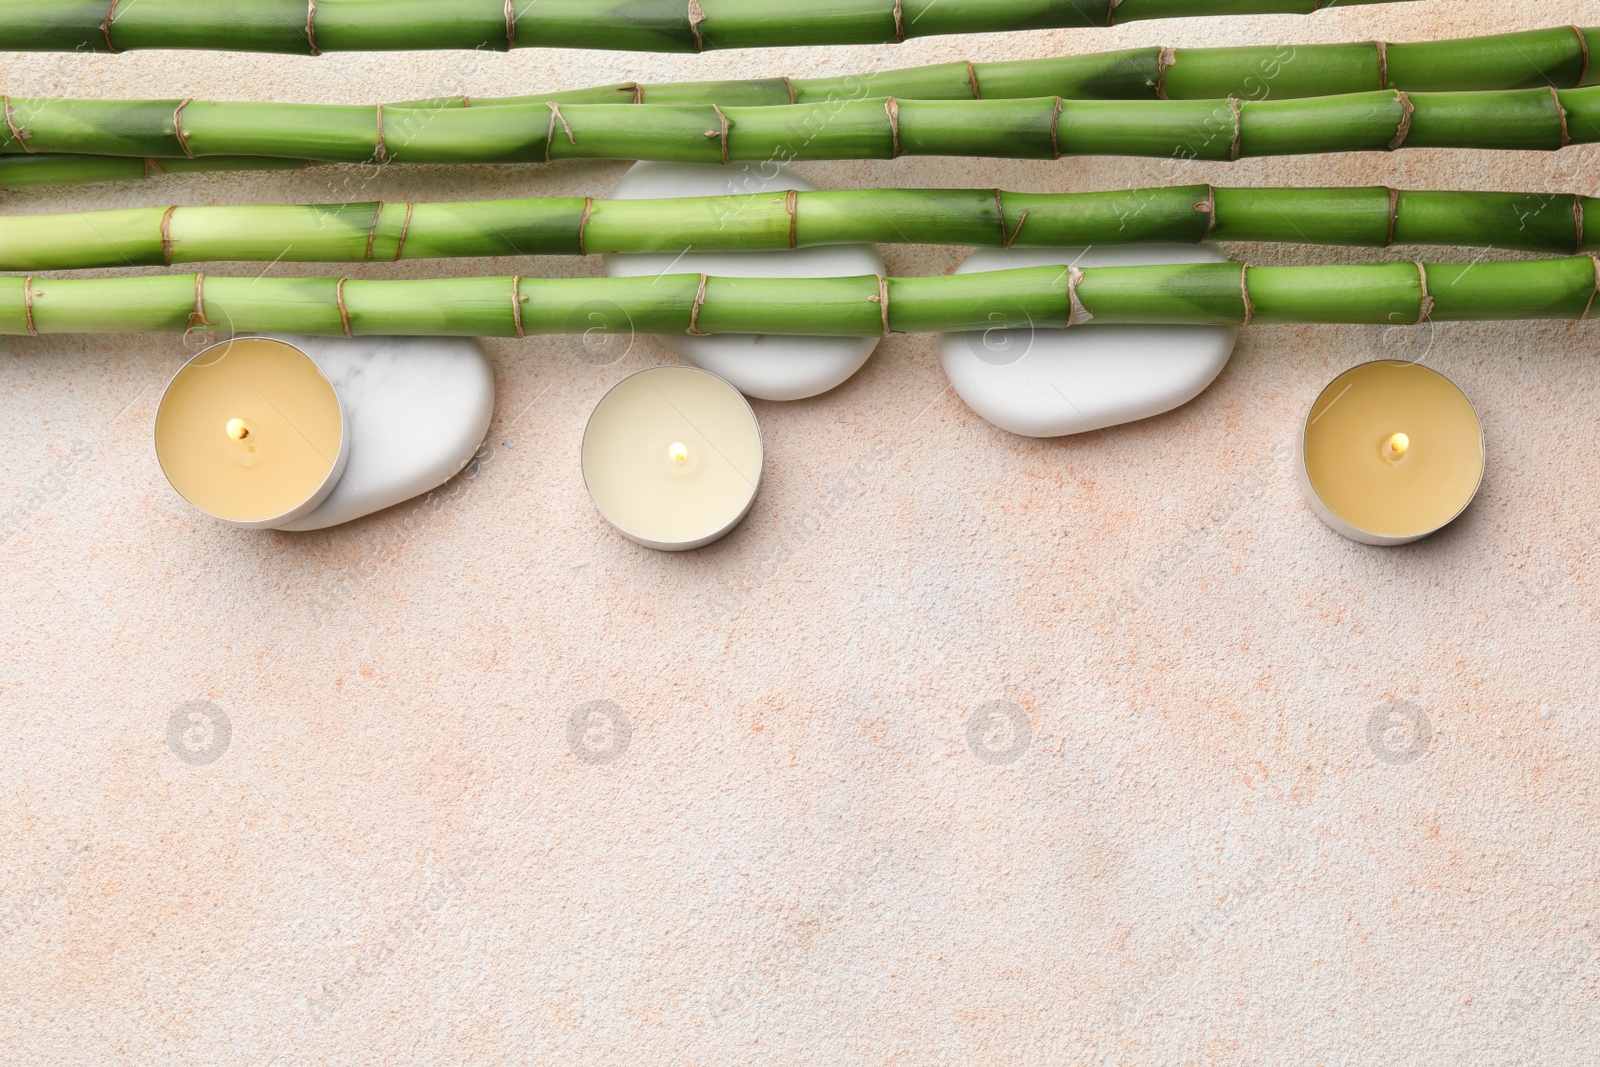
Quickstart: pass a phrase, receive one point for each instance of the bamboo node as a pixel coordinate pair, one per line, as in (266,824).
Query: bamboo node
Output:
(789,85)
(18,134)
(694,310)
(1404,129)
(550,138)
(1425,304)
(344,312)
(1244,293)
(311,26)
(1238,126)
(511,25)
(899,22)
(105,27)
(177,128)
(153,166)
(1055,130)
(197,317)
(696,17)
(1077,314)
(1382,49)
(27,306)
(1583,50)
(1166,60)
(883,302)
(372,231)
(892,107)
(1561,113)
(1209,206)
(1577,221)
(1394,215)
(791,204)
(972,80)
(405,228)
(1592,259)
(380,150)
(1006,239)
(1023,221)
(166,235)
(1111,12)
(583,224)
(722,120)
(516,305)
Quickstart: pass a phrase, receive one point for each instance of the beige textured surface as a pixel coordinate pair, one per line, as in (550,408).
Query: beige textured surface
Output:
(1200,857)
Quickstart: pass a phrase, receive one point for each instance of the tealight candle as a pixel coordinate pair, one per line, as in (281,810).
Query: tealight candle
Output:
(672,457)
(1390,452)
(251,432)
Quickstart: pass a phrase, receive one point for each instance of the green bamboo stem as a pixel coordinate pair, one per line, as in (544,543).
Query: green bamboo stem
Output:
(1557,56)
(1373,216)
(1528,59)
(48,171)
(309,27)
(1198,293)
(1044,128)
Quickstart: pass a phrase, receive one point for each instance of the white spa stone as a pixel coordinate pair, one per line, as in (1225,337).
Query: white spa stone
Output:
(1051,382)
(416,410)
(765,366)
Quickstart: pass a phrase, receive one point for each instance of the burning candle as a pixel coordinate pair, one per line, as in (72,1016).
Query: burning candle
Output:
(672,457)
(251,432)
(1390,452)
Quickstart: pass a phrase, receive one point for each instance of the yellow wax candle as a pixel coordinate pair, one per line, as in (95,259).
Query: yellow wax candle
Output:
(1391,451)
(251,432)
(672,457)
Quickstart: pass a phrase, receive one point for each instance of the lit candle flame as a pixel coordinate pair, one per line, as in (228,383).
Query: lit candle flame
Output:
(678,452)
(1396,446)
(237,429)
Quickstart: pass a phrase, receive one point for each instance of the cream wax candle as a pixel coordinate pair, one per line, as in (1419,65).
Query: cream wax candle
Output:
(1390,452)
(251,432)
(672,457)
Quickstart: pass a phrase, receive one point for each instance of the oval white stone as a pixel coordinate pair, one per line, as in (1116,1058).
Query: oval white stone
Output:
(417,409)
(1051,382)
(768,367)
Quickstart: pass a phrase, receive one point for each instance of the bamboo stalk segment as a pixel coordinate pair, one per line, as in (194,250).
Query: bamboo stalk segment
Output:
(1373,216)
(310,27)
(1196,293)
(1039,128)
(1558,56)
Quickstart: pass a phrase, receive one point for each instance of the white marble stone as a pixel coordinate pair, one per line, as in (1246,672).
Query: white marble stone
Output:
(765,366)
(416,410)
(1051,382)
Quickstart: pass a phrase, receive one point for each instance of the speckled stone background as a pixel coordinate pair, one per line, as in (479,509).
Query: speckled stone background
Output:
(498,786)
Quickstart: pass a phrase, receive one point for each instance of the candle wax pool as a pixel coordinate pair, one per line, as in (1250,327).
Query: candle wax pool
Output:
(1393,449)
(250,431)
